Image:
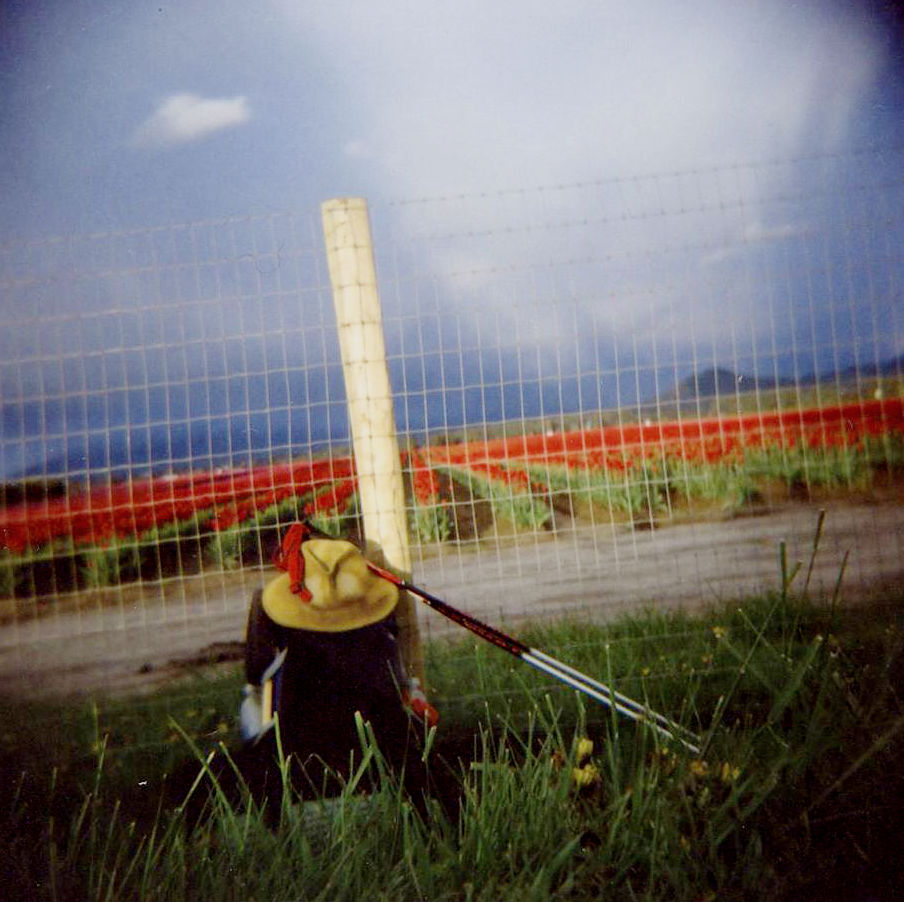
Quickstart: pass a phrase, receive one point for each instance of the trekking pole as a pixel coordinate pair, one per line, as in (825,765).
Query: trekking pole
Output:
(549,665)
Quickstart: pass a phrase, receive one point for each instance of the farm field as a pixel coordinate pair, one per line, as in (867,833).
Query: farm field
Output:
(638,474)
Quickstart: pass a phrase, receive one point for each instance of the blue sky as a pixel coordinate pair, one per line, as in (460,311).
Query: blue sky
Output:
(134,116)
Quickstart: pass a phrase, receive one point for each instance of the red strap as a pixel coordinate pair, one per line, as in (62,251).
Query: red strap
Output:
(290,559)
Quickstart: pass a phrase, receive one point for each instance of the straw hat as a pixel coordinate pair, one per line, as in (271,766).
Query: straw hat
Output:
(344,593)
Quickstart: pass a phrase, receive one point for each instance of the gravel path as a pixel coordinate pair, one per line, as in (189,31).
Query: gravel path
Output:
(137,636)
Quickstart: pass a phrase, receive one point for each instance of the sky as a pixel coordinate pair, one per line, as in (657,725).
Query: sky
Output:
(139,114)
(130,116)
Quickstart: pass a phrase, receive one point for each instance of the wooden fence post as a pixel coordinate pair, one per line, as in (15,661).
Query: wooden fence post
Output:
(381,493)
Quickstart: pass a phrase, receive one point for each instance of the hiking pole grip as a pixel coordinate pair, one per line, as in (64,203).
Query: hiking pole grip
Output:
(478,627)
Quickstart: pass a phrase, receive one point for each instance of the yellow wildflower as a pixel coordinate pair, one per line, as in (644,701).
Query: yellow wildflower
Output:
(586,775)
(584,749)
(698,767)
(719,632)
(645,672)
(729,773)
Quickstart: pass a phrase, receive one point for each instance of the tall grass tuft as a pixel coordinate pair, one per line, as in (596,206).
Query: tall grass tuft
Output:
(798,790)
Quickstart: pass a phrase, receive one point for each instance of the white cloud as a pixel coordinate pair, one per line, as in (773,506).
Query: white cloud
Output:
(754,232)
(758,231)
(183,118)
(473,104)
(472,97)
(356,150)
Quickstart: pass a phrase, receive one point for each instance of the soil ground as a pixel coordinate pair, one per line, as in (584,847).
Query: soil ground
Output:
(140,636)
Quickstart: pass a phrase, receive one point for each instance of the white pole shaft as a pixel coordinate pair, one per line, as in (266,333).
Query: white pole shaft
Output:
(589,687)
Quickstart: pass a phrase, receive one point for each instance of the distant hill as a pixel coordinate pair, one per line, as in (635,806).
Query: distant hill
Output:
(893,367)
(715,382)
(718,381)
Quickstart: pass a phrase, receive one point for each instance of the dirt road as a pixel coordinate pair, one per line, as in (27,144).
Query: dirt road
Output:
(135,637)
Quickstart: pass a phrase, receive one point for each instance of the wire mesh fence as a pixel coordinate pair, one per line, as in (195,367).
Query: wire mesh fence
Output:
(606,394)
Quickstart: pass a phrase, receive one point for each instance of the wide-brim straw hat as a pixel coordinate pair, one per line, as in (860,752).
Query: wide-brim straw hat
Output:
(344,593)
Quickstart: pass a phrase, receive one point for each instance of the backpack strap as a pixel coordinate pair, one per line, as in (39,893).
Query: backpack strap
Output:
(271,680)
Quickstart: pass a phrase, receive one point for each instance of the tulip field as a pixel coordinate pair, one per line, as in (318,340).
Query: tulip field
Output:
(645,473)
(157,527)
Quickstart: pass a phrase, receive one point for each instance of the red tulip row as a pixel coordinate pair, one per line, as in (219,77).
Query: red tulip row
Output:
(223,498)
(334,500)
(704,440)
(424,482)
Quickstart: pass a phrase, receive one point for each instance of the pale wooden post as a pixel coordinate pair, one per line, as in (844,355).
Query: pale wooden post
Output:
(381,493)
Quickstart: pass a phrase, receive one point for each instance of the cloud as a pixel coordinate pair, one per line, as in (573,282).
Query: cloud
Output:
(473,104)
(472,97)
(356,150)
(754,232)
(758,231)
(183,118)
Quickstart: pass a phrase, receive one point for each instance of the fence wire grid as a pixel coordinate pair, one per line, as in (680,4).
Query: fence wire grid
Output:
(607,395)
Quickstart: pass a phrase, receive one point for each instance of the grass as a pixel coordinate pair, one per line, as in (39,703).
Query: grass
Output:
(430,523)
(631,495)
(732,486)
(798,791)
(516,504)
